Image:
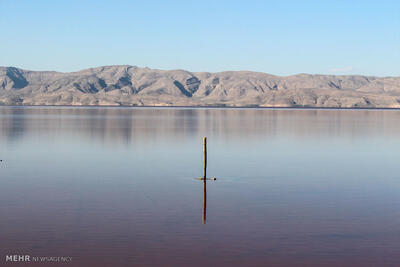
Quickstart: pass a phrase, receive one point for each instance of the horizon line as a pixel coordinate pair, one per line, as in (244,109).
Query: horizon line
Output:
(179,69)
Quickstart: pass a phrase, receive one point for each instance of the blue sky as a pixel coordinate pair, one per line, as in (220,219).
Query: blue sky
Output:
(278,37)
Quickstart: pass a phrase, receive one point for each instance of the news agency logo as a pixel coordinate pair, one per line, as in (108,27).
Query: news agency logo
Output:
(29,258)
(18,258)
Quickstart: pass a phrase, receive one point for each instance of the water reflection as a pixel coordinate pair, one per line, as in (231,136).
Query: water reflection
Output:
(127,126)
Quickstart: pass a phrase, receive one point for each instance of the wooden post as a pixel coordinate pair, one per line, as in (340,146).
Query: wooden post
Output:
(204,180)
(205,157)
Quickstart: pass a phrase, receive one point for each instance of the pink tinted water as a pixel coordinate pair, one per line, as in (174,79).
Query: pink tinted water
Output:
(117,187)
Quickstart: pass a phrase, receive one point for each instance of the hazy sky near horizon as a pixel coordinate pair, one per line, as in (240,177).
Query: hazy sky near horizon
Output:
(278,37)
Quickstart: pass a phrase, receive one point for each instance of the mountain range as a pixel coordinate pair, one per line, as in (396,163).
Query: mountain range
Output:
(134,86)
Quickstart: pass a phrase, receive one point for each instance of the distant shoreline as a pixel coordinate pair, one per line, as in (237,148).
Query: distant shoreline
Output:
(197,107)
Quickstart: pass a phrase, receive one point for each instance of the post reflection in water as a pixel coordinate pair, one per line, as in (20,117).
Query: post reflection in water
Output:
(204,201)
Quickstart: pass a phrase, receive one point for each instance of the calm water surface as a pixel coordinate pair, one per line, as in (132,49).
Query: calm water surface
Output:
(117,187)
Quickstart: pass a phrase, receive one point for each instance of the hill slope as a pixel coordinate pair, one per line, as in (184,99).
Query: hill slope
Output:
(133,86)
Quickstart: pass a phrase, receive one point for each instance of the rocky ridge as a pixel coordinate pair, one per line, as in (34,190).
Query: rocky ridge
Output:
(134,86)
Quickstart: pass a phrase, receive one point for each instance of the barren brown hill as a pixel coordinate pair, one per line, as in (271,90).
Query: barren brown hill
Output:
(134,86)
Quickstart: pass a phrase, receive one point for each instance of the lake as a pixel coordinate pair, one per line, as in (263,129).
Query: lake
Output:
(118,187)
